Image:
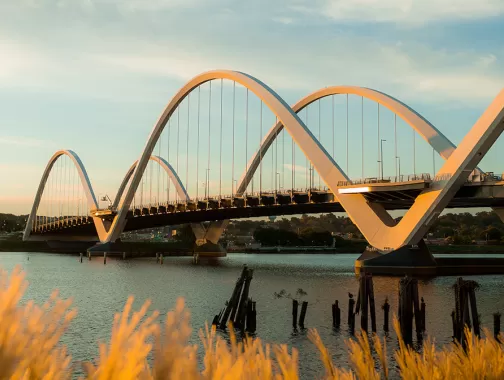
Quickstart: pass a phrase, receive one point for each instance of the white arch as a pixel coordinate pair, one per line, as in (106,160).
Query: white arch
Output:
(426,130)
(165,165)
(84,178)
(199,229)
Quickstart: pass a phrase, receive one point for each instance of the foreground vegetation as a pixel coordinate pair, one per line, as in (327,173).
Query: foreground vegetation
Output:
(30,349)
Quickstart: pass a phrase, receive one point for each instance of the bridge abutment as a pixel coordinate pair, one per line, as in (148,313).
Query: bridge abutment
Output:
(413,260)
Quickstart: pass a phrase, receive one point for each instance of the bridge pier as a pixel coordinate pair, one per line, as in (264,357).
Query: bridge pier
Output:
(209,250)
(412,260)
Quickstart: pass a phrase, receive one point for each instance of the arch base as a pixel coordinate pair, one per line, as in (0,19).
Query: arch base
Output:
(209,250)
(413,261)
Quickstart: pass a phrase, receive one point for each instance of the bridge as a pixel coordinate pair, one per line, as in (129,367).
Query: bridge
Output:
(214,127)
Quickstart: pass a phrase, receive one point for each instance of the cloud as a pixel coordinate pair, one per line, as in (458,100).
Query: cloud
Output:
(408,12)
(21,141)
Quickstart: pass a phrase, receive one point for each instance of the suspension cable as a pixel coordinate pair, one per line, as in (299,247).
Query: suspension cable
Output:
(379,166)
(319,134)
(260,150)
(159,170)
(362,133)
(233,149)
(209,138)
(187,141)
(197,144)
(220,142)
(395,144)
(333,137)
(246,140)
(178,145)
(307,183)
(347,152)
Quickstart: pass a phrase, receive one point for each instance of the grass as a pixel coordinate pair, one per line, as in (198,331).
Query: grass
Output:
(30,348)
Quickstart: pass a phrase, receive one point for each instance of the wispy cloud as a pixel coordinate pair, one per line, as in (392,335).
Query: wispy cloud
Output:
(409,12)
(22,141)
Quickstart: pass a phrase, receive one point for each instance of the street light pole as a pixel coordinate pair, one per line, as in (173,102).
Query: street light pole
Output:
(277,181)
(399,167)
(381,156)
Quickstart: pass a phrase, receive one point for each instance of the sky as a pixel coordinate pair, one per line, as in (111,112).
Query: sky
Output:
(94,75)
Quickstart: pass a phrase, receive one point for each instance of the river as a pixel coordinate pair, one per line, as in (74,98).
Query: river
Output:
(99,291)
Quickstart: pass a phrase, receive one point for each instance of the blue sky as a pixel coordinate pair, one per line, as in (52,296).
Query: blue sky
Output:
(94,75)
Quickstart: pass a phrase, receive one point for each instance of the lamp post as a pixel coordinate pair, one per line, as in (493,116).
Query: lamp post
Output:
(233,190)
(277,181)
(381,156)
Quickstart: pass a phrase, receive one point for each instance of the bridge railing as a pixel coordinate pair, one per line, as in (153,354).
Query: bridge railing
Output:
(256,194)
(389,179)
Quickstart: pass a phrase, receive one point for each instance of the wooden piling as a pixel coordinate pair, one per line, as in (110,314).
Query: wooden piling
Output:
(386,310)
(405,310)
(294,313)
(124,255)
(497,325)
(251,316)
(474,312)
(233,301)
(161,258)
(80,257)
(89,256)
(372,309)
(336,315)
(157,257)
(239,321)
(363,298)
(454,324)
(104,258)
(465,308)
(422,314)
(416,306)
(302,315)
(351,315)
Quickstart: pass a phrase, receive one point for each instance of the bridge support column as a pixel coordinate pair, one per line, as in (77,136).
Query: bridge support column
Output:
(415,260)
(208,249)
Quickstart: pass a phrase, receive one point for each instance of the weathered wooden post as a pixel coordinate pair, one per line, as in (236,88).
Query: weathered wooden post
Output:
(80,257)
(405,310)
(454,324)
(422,313)
(372,310)
(465,295)
(124,255)
(239,321)
(251,316)
(161,258)
(351,314)
(89,256)
(302,315)
(416,306)
(157,257)
(363,304)
(231,305)
(104,258)
(497,325)
(294,313)
(386,309)
(336,315)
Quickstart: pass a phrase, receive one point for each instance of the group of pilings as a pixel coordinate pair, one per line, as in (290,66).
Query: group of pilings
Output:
(240,310)
(302,314)
(81,255)
(365,306)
